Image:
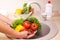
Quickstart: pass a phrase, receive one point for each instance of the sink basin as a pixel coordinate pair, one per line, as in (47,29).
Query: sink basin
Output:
(47,32)
(43,32)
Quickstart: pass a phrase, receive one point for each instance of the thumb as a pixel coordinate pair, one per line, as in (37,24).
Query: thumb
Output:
(26,32)
(30,36)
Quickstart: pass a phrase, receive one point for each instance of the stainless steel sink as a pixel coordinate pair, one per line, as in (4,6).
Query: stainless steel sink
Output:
(43,32)
(47,32)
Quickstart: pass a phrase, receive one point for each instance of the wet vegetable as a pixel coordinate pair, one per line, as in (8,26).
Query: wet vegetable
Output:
(17,22)
(27,24)
(34,26)
(35,20)
(19,28)
(26,9)
(30,24)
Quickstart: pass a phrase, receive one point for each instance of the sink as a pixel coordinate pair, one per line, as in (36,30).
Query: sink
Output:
(43,32)
(47,32)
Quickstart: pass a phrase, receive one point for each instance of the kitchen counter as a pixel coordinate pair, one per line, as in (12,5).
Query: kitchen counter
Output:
(55,19)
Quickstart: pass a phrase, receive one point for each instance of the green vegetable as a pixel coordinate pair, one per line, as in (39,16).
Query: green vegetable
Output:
(29,7)
(26,9)
(33,19)
(17,22)
(25,4)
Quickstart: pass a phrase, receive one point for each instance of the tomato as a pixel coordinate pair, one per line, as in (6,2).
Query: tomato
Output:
(24,29)
(27,24)
(34,26)
(32,32)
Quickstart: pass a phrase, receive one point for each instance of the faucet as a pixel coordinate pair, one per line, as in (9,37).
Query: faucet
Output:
(43,16)
(34,3)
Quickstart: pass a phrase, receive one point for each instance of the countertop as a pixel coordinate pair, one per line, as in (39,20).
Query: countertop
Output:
(55,19)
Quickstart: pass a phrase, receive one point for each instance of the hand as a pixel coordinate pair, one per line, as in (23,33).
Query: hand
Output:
(31,35)
(10,22)
(23,34)
(6,20)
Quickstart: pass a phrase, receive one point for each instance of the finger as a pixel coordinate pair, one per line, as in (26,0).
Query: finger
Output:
(30,36)
(25,31)
(25,36)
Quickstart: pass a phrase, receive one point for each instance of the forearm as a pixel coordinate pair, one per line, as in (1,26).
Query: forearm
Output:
(8,30)
(5,19)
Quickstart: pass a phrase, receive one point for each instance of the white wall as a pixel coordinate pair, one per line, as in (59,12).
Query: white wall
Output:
(11,5)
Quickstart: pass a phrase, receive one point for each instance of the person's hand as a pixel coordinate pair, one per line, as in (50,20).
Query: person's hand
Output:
(6,19)
(11,22)
(23,34)
(31,35)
